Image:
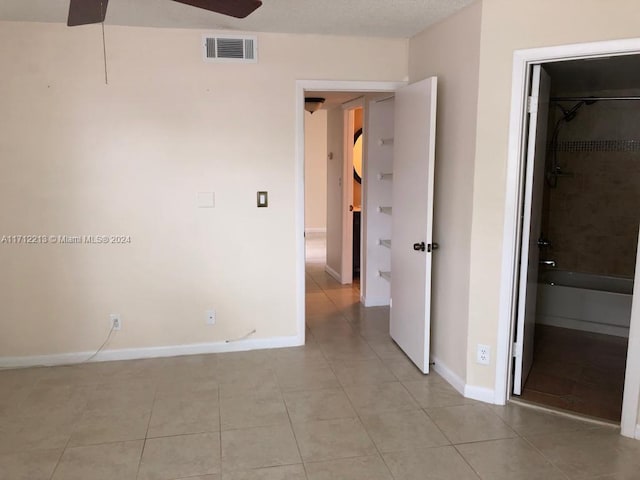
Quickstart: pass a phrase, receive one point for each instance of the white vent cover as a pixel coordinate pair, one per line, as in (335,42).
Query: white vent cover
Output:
(227,48)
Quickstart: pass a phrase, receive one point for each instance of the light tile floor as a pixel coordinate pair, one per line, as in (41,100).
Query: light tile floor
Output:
(346,406)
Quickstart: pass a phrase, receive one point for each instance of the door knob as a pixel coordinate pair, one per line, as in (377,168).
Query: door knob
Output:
(351,208)
(432,246)
(419,247)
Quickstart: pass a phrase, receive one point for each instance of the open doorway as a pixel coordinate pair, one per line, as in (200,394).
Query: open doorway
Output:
(413,126)
(333,182)
(580,236)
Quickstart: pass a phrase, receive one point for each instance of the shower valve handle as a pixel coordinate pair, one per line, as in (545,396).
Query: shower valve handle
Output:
(542,242)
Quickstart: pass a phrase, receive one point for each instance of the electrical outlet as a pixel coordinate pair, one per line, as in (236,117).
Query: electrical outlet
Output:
(483,356)
(115,322)
(210,317)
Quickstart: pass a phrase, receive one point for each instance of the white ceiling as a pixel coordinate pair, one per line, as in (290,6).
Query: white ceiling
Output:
(377,18)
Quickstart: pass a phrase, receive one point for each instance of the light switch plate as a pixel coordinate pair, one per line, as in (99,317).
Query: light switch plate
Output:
(206,199)
(263,199)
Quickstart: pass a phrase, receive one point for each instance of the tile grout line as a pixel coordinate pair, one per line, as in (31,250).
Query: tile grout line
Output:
(219,419)
(381,360)
(295,438)
(344,392)
(66,445)
(144,443)
(523,438)
(536,449)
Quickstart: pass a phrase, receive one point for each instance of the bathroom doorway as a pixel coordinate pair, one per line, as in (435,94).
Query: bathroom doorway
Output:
(581,249)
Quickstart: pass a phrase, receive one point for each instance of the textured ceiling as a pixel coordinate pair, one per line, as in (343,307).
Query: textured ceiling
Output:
(377,18)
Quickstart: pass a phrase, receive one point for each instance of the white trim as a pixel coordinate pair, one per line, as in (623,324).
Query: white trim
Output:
(637,432)
(482,394)
(319,86)
(348,86)
(151,352)
(522,60)
(354,104)
(332,273)
(445,372)
(375,301)
(315,230)
(299,213)
(629,420)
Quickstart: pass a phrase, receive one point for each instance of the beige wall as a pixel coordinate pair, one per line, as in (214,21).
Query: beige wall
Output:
(508,25)
(451,51)
(315,171)
(81,157)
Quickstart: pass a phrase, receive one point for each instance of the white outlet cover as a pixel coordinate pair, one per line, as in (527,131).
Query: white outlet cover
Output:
(483,356)
(112,318)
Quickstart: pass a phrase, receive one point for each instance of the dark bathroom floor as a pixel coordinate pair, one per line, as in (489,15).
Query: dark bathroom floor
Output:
(577,371)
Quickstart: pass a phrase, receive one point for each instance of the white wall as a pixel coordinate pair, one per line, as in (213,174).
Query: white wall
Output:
(335,170)
(508,25)
(450,50)
(81,157)
(315,171)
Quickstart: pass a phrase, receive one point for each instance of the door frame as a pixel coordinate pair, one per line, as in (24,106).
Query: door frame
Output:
(347,191)
(303,86)
(523,60)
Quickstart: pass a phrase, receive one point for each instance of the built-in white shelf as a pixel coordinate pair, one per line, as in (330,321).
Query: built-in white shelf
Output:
(385,141)
(386,210)
(385,275)
(385,176)
(385,243)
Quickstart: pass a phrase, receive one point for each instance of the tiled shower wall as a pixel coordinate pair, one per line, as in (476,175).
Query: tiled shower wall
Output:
(592,217)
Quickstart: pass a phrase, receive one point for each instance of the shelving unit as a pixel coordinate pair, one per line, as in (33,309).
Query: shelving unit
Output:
(385,275)
(379,202)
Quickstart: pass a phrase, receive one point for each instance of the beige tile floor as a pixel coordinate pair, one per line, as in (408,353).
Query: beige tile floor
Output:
(347,406)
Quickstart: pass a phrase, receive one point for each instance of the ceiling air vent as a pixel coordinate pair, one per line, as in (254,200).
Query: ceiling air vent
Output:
(223,48)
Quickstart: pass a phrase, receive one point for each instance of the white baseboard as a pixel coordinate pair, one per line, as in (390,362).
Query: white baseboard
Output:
(448,374)
(375,301)
(315,230)
(152,352)
(481,394)
(468,391)
(333,273)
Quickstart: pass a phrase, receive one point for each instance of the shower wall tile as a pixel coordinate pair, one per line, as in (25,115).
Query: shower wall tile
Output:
(592,217)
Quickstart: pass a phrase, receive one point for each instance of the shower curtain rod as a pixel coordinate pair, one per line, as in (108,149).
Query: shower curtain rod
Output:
(587,99)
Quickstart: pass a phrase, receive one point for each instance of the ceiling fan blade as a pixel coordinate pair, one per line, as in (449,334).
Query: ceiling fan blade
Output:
(84,12)
(233,8)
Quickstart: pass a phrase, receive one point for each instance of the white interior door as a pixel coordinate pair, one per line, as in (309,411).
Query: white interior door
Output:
(412,219)
(531,226)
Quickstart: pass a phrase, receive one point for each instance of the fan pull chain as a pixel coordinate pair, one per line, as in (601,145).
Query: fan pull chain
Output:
(104,49)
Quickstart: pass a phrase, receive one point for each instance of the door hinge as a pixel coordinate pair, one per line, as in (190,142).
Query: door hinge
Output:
(532,104)
(514,350)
